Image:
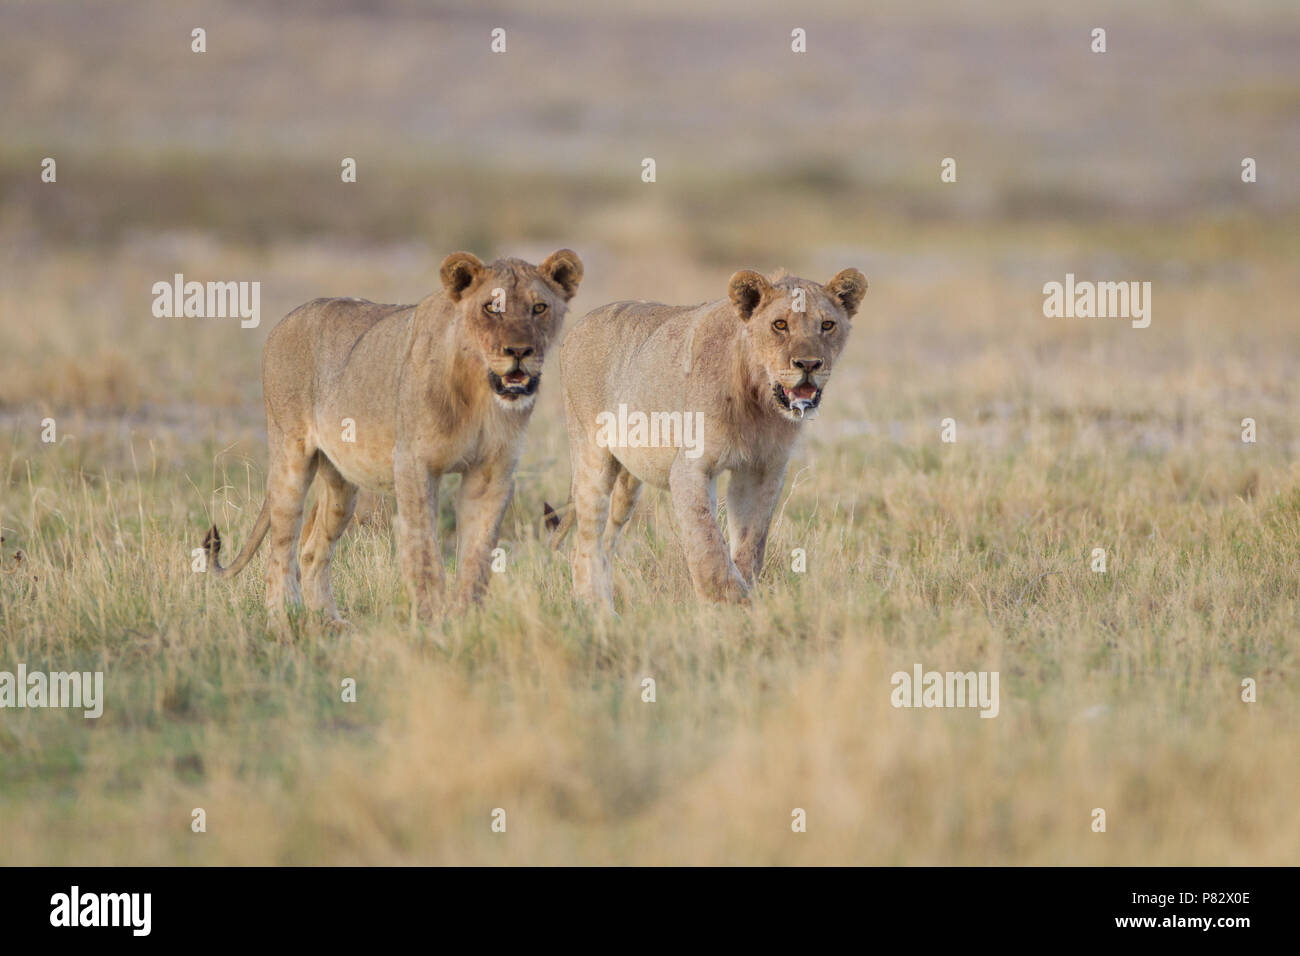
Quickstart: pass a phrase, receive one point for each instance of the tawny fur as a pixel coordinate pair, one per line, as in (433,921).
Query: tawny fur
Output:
(731,360)
(445,386)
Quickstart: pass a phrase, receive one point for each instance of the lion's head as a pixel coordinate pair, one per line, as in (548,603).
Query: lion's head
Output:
(509,311)
(796,330)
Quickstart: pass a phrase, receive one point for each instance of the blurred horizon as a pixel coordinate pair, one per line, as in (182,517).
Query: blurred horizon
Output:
(1041,127)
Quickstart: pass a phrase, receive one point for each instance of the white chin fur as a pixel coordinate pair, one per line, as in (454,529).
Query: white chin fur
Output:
(794,416)
(521,404)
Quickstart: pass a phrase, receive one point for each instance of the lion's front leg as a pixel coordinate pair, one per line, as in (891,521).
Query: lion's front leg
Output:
(695,503)
(484,494)
(417,534)
(751,500)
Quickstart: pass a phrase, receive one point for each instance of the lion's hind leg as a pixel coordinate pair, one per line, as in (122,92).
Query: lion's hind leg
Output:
(293,466)
(336,500)
(595,472)
(627,489)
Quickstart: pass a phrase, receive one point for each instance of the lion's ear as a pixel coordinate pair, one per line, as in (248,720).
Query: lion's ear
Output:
(848,287)
(747,289)
(460,270)
(564,268)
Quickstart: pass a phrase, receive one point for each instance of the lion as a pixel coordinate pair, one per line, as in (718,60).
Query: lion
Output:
(749,371)
(391,398)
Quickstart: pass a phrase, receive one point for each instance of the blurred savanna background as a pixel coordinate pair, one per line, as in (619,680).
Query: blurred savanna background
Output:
(1120,690)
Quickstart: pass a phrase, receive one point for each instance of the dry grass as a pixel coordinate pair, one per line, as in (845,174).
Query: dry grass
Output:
(1119,691)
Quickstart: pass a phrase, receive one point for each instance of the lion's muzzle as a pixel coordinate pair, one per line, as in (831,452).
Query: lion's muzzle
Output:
(800,398)
(516,383)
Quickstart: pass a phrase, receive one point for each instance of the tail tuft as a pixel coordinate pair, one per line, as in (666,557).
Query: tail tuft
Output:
(212,545)
(550,520)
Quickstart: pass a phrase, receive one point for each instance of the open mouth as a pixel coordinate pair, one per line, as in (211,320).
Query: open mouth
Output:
(514,384)
(802,398)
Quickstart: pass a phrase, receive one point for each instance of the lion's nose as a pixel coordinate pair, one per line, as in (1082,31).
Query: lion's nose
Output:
(808,365)
(518,352)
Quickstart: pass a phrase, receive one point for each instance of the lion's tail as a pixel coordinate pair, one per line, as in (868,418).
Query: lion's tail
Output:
(557,525)
(212,545)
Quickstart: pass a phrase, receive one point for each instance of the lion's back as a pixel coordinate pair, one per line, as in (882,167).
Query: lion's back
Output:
(310,349)
(618,330)
(328,326)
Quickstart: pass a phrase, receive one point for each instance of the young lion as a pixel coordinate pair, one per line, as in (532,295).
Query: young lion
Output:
(746,371)
(391,398)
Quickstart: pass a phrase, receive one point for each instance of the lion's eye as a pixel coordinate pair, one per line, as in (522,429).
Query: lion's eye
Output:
(491,310)
(539,308)
(828,325)
(780,325)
